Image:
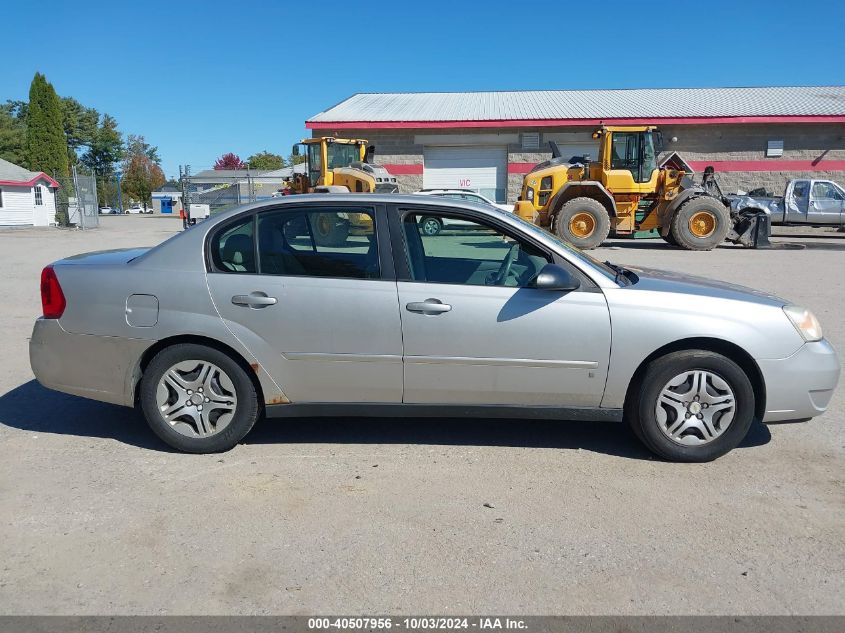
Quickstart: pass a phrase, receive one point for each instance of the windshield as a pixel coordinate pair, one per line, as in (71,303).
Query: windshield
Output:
(343,154)
(577,253)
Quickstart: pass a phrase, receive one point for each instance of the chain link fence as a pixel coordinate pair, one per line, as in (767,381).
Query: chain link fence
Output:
(76,199)
(212,191)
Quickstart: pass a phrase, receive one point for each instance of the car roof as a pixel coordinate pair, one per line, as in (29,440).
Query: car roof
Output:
(355,199)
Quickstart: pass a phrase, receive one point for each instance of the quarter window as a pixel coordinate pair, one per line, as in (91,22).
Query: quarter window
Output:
(38,199)
(468,252)
(233,248)
(325,243)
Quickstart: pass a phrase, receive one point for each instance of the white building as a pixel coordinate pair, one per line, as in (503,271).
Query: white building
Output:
(26,197)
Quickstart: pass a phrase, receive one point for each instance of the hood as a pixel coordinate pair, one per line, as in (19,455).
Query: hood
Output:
(654,280)
(98,258)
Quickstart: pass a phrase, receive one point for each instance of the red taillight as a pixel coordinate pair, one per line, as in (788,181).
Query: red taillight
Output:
(52,298)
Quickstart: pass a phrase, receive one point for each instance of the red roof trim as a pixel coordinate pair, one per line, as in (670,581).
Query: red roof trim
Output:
(29,183)
(723,120)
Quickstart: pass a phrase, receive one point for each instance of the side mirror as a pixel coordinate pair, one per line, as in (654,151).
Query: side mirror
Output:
(369,154)
(554,277)
(295,150)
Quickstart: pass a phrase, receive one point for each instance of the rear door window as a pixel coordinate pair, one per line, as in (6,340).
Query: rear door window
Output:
(328,242)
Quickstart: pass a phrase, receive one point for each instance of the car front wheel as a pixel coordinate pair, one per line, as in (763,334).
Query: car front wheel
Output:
(197,399)
(692,406)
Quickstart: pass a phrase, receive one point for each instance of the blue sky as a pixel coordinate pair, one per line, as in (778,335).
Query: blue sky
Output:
(202,78)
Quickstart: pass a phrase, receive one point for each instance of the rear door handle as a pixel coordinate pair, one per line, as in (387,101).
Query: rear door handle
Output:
(254,300)
(429,306)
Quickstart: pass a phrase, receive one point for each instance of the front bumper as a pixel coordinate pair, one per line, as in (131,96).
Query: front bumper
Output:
(800,386)
(102,368)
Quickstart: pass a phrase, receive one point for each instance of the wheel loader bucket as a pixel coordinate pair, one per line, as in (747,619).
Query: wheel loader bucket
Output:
(751,229)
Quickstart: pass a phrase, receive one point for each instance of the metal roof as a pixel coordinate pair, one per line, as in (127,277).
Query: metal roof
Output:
(563,105)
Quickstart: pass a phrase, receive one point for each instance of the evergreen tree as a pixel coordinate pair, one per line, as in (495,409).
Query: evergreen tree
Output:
(46,144)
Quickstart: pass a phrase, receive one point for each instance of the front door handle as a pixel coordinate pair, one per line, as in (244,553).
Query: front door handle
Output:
(429,306)
(254,300)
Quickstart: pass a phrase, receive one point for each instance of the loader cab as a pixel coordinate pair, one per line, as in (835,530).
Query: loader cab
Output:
(628,158)
(324,154)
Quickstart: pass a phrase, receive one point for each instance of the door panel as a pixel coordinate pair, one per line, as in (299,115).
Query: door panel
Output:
(324,340)
(797,201)
(500,345)
(312,307)
(825,204)
(474,332)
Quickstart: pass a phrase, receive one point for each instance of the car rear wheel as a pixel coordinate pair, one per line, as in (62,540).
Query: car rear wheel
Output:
(692,406)
(430,226)
(197,399)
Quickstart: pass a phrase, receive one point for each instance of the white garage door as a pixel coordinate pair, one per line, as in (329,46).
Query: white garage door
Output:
(481,169)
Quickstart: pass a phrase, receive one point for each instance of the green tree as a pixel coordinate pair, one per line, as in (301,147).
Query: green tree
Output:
(136,145)
(12,134)
(80,125)
(265,160)
(46,144)
(141,176)
(105,150)
(296,160)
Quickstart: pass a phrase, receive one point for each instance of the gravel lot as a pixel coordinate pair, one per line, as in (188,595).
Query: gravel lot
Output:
(389,516)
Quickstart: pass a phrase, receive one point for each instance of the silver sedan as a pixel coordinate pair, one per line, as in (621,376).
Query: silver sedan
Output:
(342,304)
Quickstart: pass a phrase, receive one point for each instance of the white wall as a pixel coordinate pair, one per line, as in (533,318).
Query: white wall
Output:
(19,206)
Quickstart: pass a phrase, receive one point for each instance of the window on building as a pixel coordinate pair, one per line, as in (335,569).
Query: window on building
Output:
(38,200)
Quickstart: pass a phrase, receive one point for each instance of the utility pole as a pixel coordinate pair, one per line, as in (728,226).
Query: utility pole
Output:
(183,177)
(119,195)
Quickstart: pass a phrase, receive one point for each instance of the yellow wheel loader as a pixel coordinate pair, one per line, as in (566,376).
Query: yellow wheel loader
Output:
(625,191)
(340,165)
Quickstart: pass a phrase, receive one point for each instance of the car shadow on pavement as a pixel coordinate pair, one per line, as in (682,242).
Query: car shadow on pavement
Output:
(609,438)
(30,407)
(33,408)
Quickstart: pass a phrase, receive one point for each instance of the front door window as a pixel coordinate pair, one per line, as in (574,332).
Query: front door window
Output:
(468,252)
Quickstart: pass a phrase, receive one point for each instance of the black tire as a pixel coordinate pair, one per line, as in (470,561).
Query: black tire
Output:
(246,410)
(430,226)
(669,239)
(710,210)
(330,230)
(597,216)
(641,415)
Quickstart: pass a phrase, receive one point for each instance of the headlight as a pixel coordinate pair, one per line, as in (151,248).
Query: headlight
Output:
(529,195)
(805,322)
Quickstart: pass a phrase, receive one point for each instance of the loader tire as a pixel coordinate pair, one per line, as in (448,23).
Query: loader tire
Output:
(330,230)
(701,224)
(669,239)
(583,222)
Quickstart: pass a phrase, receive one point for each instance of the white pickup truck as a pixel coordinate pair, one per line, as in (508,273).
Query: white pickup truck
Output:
(805,201)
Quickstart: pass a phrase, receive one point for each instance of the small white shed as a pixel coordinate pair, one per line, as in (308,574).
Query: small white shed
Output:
(26,197)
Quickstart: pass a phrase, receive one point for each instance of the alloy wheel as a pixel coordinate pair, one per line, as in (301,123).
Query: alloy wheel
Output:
(196,398)
(695,407)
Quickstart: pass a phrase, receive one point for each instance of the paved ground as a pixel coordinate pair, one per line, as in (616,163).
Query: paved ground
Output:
(96,516)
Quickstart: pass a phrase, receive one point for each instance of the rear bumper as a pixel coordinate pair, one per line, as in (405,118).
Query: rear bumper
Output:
(800,386)
(102,368)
